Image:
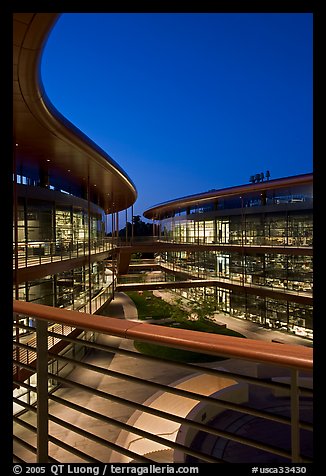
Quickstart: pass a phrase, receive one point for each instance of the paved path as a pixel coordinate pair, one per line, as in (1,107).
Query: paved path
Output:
(247,328)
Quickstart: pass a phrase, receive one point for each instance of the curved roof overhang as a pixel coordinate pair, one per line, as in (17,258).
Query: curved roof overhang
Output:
(44,138)
(163,209)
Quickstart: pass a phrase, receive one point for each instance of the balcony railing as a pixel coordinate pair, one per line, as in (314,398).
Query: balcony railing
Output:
(263,242)
(36,253)
(242,279)
(130,407)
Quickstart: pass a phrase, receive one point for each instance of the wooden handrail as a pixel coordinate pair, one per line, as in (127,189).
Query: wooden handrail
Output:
(285,355)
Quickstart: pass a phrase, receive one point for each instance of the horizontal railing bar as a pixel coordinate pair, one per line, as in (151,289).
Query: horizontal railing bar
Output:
(177,391)
(25,424)
(286,355)
(276,385)
(24,366)
(19,325)
(32,334)
(26,445)
(17,459)
(21,345)
(29,348)
(131,429)
(73,450)
(304,425)
(56,441)
(33,429)
(31,448)
(24,404)
(193,367)
(255,381)
(168,416)
(98,439)
(229,405)
(25,385)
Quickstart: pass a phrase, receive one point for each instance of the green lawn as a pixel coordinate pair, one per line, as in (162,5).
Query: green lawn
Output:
(156,308)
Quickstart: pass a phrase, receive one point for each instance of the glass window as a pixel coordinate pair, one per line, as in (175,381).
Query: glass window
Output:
(222,230)
(235,230)
(209,231)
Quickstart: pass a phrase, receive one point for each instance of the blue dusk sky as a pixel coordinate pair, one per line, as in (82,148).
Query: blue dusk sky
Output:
(187,102)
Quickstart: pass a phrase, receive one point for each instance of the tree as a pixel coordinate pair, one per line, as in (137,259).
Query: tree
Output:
(140,228)
(179,310)
(204,308)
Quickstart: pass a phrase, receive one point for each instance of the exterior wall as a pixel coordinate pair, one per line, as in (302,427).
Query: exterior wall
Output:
(53,226)
(270,220)
(52,223)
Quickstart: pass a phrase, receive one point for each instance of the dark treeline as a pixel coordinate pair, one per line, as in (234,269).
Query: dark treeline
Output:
(140,228)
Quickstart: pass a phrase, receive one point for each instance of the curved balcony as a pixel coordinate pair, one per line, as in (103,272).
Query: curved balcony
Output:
(189,404)
(144,409)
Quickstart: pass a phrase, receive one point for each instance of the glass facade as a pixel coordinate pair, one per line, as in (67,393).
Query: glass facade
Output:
(49,231)
(264,241)
(60,227)
(275,229)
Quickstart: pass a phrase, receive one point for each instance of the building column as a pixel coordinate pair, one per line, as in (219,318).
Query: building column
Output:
(89,245)
(126,225)
(132,223)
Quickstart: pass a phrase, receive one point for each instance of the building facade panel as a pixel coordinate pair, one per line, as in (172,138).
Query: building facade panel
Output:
(279,215)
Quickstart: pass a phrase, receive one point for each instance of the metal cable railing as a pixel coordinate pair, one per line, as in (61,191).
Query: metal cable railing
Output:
(126,413)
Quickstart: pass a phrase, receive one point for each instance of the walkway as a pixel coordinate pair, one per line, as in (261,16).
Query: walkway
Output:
(249,329)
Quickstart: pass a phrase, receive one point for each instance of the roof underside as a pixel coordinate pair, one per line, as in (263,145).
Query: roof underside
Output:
(44,138)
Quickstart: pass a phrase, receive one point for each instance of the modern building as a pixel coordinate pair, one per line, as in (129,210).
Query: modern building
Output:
(64,190)
(255,240)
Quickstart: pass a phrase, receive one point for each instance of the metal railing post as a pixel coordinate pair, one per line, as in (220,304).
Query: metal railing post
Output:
(42,390)
(295,428)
